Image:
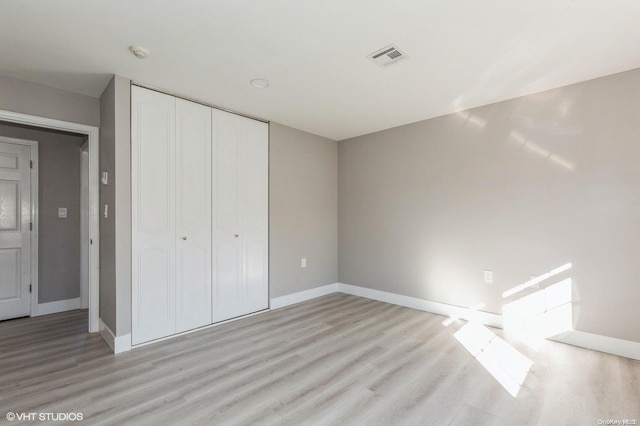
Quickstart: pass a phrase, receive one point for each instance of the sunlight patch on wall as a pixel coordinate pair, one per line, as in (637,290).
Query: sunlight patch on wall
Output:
(532,282)
(508,366)
(540,315)
(517,138)
(472,119)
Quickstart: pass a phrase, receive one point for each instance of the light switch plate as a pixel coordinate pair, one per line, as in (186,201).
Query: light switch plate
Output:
(488,277)
(303,262)
(62,212)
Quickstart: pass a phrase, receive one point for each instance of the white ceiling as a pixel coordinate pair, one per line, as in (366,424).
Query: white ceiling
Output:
(462,53)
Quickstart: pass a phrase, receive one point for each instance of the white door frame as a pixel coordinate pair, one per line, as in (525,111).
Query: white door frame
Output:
(84,224)
(93,136)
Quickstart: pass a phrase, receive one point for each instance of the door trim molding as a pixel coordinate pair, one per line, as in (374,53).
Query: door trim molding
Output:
(33,146)
(84,231)
(93,139)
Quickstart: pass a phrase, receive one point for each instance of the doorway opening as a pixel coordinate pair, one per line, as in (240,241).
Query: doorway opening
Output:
(57,257)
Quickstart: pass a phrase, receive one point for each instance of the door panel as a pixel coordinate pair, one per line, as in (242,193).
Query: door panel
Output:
(256,215)
(240,209)
(228,289)
(153,214)
(10,285)
(226,157)
(193,207)
(15,235)
(154,303)
(9,205)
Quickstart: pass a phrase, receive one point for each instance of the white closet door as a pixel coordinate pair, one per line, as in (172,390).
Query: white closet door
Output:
(240,216)
(193,215)
(256,217)
(153,214)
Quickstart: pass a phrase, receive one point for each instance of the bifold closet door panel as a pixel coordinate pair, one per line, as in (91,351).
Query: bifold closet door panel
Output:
(193,215)
(256,215)
(227,148)
(240,215)
(153,214)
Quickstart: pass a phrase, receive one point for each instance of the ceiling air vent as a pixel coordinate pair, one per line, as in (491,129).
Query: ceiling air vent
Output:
(387,56)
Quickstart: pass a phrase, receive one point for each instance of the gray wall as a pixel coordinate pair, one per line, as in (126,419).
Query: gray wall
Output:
(519,187)
(302,210)
(43,101)
(107,196)
(59,186)
(115,231)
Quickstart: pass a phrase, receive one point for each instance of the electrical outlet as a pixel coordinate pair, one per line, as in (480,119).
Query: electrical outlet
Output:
(62,212)
(488,277)
(303,262)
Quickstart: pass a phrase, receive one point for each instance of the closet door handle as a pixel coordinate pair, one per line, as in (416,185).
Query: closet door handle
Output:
(236,235)
(184,238)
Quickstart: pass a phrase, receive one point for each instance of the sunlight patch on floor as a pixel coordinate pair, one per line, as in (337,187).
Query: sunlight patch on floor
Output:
(508,366)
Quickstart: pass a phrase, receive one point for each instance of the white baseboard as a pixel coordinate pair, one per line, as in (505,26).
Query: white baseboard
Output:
(597,342)
(117,344)
(57,306)
(301,296)
(485,318)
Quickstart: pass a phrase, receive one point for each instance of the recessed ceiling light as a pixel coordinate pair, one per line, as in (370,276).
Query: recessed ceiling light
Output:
(139,51)
(260,83)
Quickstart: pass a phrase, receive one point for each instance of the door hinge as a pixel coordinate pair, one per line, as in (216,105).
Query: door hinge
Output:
(30,226)
(31,164)
(90,242)
(30,288)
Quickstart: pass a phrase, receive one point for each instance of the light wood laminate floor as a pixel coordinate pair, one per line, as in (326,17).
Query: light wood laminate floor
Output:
(337,360)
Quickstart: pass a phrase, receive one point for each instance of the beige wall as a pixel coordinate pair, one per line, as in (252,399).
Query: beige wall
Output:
(519,187)
(302,210)
(115,230)
(58,186)
(43,101)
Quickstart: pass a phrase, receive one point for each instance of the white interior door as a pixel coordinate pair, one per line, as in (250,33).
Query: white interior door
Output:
(193,215)
(240,216)
(153,215)
(15,234)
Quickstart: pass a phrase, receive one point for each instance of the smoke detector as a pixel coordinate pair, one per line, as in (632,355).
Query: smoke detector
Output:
(388,55)
(139,52)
